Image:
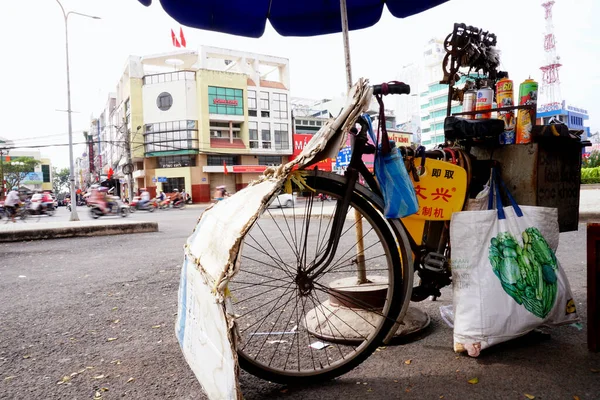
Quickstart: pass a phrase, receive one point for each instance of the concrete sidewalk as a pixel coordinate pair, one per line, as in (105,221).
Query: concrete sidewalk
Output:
(16,232)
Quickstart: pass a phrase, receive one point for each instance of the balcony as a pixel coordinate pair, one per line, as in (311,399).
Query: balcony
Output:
(140,173)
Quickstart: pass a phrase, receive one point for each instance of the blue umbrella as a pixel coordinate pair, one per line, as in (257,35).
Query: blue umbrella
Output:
(288,17)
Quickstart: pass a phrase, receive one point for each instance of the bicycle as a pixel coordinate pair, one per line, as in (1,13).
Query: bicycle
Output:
(307,321)
(22,213)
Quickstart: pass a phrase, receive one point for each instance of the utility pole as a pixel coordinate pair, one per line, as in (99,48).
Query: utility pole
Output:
(2,174)
(128,167)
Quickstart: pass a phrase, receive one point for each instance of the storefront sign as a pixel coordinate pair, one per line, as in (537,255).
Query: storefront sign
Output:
(225,102)
(301,140)
(577,110)
(401,139)
(162,179)
(549,107)
(249,168)
(33,178)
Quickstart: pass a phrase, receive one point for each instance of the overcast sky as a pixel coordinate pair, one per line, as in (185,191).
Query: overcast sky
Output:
(33,62)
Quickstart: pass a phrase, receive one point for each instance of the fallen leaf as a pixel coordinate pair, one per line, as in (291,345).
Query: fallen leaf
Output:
(99,377)
(576,398)
(130,380)
(407,362)
(442,396)
(396,380)
(110,339)
(155,326)
(74,374)
(473,381)
(283,391)
(116,321)
(81,371)
(115,308)
(27,356)
(8,378)
(118,362)
(89,367)
(529,396)
(104,389)
(358,383)
(63,380)
(369,390)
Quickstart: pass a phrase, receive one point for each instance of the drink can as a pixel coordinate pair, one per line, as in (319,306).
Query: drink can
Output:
(526,118)
(485,98)
(469,101)
(505,98)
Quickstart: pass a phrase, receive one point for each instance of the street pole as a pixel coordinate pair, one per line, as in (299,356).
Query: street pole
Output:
(74,216)
(360,246)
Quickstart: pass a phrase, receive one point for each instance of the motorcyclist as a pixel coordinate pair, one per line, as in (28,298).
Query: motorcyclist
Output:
(12,202)
(176,197)
(145,199)
(47,201)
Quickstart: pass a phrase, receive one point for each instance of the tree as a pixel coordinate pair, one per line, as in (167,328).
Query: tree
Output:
(60,180)
(17,169)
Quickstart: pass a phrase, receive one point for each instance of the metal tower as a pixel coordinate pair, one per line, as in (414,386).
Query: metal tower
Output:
(550,88)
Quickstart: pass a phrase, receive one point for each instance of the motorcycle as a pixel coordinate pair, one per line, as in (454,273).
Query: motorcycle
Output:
(134,205)
(39,205)
(116,208)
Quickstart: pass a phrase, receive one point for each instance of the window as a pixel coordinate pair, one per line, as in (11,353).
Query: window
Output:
(264,101)
(127,107)
(281,136)
(169,136)
(173,183)
(176,161)
(46,173)
(170,77)
(269,160)
(222,129)
(253,134)
(280,108)
(164,101)
(265,133)
(225,101)
(215,161)
(252,99)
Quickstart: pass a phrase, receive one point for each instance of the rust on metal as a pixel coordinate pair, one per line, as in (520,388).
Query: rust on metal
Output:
(593,285)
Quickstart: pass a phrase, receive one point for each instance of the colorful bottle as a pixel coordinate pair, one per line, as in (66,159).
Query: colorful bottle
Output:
(485,98)
(526,118)
(505,98)
(469,99)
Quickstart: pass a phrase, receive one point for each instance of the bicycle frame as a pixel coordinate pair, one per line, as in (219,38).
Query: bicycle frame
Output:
(356,167)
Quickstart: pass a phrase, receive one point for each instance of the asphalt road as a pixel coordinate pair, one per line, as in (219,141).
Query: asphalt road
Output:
(86,315)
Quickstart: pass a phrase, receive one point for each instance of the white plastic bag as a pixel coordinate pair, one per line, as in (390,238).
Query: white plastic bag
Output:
(497,294)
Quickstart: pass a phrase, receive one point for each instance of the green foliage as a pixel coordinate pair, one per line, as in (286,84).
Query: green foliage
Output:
(592,161)
(17,169)
(590,175)
(60,180)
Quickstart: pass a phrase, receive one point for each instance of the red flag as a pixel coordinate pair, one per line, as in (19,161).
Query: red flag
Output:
(183,42)
(225,168)
(173,37)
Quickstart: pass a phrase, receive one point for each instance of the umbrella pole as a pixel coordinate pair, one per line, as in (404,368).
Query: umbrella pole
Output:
(360,247)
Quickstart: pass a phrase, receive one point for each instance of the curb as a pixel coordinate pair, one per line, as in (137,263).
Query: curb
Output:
(43,233)
(589,216)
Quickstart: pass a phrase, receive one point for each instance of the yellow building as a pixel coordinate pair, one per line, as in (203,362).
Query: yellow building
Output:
(201,119)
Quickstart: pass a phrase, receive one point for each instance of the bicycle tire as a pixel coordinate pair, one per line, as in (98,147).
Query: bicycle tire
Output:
(399,279)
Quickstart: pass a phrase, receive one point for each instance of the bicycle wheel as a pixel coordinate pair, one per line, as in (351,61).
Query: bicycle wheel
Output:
(293,328)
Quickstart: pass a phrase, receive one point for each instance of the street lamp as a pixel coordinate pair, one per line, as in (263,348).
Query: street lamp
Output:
(74,216)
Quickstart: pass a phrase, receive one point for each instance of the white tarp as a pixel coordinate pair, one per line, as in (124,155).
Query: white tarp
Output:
(206,333)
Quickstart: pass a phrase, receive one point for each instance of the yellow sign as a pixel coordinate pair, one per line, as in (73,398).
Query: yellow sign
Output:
(400,139)
(441,191)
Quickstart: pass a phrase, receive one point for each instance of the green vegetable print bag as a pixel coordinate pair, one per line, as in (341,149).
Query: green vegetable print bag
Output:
(507,280)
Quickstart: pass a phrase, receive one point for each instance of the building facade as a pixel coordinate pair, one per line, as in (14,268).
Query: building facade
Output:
(40,179)
(194,120)
(573,117)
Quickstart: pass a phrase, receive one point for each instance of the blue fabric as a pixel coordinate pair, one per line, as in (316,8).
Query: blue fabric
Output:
(395,184)
(288,17)
(495,193)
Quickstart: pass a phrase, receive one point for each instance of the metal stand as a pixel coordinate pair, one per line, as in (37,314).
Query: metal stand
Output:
(340,319)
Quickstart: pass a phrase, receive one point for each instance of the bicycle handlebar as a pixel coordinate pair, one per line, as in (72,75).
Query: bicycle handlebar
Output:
(391,88)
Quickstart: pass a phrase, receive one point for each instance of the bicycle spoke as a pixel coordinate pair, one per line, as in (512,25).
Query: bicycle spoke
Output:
(282,234)
(286,270)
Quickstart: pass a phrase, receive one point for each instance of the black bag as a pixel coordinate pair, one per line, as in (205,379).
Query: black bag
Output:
(488,130)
